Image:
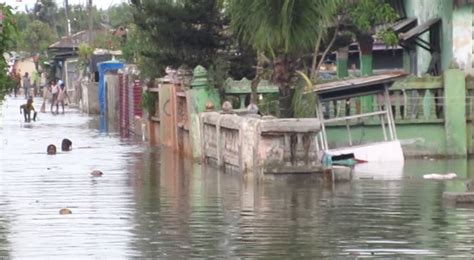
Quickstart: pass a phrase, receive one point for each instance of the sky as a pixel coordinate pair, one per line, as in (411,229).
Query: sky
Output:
(101,4)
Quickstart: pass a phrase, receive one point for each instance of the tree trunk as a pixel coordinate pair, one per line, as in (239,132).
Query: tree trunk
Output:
(256,80)
(282,73)
(314,63)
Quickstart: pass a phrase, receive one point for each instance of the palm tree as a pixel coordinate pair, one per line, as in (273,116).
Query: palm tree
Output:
(283,30)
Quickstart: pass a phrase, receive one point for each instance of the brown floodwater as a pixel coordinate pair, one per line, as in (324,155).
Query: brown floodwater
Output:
(150,203)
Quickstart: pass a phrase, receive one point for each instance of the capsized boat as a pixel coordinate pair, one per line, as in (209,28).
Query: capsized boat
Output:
(387,150)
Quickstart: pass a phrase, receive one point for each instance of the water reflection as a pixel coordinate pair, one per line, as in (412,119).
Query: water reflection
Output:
(188,210)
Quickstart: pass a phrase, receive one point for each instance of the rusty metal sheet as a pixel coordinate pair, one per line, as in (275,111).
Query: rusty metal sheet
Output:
(355,87)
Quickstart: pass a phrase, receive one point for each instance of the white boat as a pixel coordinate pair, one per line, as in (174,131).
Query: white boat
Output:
(387,150)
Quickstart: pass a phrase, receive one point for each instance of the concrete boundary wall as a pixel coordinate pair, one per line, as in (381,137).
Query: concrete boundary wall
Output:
(255,146)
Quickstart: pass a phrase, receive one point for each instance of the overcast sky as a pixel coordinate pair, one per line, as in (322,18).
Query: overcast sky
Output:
(102,4)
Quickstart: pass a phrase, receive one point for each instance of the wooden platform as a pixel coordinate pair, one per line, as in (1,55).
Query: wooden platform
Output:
(459,197)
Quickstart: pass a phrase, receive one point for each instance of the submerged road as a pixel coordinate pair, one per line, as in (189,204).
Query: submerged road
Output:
(151,204)
(34,186)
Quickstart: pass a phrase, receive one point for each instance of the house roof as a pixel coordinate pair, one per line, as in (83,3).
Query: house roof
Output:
(362,86)
(73,41)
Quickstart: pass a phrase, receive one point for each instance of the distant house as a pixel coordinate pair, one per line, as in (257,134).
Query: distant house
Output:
(64,56)
(65,61)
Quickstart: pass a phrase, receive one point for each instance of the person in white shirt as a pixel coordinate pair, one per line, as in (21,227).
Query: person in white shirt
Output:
(62,95)
(54,94)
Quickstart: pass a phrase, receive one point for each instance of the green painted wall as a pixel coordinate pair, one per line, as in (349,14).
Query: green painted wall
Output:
(425,10)
(455,112)
(416,139)
(342,62)
(366,65)
(342,69)
(197,98)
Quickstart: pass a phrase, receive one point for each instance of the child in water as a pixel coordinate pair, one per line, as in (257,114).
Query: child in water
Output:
(66,145)
(27,108)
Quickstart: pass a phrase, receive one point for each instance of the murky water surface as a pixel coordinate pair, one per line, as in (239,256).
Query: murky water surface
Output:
(150,203)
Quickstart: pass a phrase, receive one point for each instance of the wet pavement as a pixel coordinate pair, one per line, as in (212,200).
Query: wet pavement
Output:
(151,203)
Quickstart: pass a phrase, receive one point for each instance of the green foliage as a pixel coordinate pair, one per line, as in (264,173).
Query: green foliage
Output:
(120,15)
(179,32)
(107,41)
(85,53)
(218,73)
(284,30)
(45,11)
(131,47)
(279,27)
(365,14)
(55,17)
(268,105)
(368,15)
(36,37)
(304,105)
(388,36)
(148,102)
(7,38)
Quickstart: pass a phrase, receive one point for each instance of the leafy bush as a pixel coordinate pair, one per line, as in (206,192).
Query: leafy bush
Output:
(148,102)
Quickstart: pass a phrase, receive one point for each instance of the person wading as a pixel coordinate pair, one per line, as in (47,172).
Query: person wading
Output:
(26,84)
(54,94)
(27,108)
(62,95)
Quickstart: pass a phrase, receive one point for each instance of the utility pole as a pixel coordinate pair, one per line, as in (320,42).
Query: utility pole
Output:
(68,22)
(90,22)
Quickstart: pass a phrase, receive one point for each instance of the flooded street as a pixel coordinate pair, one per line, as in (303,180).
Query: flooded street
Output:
(152,204)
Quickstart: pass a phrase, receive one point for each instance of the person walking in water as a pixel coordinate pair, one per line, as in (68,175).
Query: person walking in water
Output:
(54,94)
(16,77)
(46,91)
(62,95)
(27,108)
(26,84)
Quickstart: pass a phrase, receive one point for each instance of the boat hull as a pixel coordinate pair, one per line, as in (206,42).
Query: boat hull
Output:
(390,151)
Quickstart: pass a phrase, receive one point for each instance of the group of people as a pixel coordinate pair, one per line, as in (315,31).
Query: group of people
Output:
(66,145)
(26,82)
(58,97)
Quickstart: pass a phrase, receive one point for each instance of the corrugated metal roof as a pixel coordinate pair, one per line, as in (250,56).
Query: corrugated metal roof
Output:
(359,82)
(355,87)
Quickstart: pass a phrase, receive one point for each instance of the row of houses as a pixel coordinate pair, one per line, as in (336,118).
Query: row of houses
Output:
(434,36)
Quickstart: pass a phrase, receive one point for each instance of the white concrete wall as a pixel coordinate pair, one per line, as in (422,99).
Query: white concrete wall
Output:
(462,37)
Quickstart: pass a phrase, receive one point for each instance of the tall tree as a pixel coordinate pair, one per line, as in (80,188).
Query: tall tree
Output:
(8,32)
(119,15)
(44,10)
(364,17)
(179,32)
(283,30)
(36,37)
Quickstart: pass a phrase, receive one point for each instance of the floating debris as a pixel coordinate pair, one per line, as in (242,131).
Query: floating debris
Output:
(435,176)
